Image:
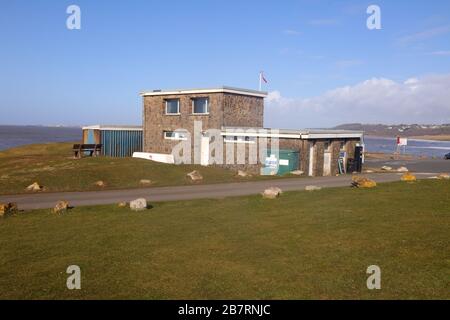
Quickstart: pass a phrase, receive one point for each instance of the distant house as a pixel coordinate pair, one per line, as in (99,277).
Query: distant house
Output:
(172,116)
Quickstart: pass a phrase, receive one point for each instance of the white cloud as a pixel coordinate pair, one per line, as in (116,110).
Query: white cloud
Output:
(377,100)
(323,22)
(424,35)
(292,32)
(441,53)
(344,64)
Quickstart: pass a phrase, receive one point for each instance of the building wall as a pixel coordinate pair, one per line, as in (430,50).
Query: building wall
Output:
(231,110)
(121,143)
(243,111)
(225,109)
(156,121)
(299,145)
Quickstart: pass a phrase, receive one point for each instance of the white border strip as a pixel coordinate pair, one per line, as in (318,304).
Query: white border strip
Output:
(200,91)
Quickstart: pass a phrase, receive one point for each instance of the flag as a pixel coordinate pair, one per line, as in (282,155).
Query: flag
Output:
(262,77)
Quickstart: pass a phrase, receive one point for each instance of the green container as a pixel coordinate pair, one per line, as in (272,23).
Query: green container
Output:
(281,161)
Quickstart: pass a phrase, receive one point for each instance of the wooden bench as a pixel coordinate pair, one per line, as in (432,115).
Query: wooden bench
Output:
(93,149)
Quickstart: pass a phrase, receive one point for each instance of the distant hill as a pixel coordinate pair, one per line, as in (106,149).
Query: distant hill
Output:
(402,130)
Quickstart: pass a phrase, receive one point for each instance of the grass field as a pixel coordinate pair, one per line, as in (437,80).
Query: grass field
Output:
(52,165)
(299,246)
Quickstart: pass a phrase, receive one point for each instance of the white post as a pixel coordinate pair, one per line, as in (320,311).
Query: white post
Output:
(260,80)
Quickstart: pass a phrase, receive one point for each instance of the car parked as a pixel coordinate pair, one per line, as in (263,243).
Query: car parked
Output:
(447,156)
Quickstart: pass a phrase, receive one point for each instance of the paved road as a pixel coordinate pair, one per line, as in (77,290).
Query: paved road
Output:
(421,165)
(48,200)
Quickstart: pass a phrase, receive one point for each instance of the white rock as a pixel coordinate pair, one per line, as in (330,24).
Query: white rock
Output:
(195,175)
(313,188)
(386,168)
(138,204)
(402,169)
(145,181)
(34,187)
(100,183)
(444,176)
(242,173)
(297,172)
(272,193)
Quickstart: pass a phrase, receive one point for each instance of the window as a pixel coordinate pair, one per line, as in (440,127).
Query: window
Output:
(200,106)
(175,135)
(240,139)
(172,106)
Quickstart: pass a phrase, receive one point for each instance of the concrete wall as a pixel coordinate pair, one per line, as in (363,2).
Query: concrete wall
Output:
(303,146)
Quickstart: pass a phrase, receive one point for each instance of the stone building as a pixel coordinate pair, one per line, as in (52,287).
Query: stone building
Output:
(233,119)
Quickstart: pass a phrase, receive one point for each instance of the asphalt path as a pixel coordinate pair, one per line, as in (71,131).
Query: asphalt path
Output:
(156,194)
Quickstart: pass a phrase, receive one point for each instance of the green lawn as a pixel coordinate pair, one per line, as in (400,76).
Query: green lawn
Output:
(52,165)
(300,246)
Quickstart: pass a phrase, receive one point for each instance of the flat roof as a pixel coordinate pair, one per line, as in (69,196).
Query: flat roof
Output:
(112,127)
(293,133)
(223,89)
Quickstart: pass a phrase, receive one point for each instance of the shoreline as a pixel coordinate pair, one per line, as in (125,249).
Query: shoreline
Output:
(442,138)
(392,156)
(430,138)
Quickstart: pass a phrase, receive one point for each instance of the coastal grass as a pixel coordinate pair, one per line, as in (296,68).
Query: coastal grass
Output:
(303,245)
(52,165)
(438,137)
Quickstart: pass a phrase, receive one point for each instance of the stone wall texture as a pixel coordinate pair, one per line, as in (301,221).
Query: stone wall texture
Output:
(225,109)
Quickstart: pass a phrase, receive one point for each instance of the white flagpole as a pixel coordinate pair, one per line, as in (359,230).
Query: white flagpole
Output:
(260,80)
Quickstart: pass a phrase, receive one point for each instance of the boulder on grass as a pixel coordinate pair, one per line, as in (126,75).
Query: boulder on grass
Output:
(386,168)
(313,188)
(402,169)
(195,175)
(409,177)
(297,172)
(3,209)
(362,182)
(34,187)
(444,176)
(8,209)
(243,174)
(272,193)
(145,182)
(100,184)
(122,204)
(61,207)
(13,208)
(138,204)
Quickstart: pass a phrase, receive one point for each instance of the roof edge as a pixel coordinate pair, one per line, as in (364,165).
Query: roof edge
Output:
(223,89)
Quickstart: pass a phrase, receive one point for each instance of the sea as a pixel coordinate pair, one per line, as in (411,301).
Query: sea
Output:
(417,147)
(13,136)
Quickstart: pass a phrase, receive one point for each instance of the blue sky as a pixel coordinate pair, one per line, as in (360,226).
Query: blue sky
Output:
(323,65)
